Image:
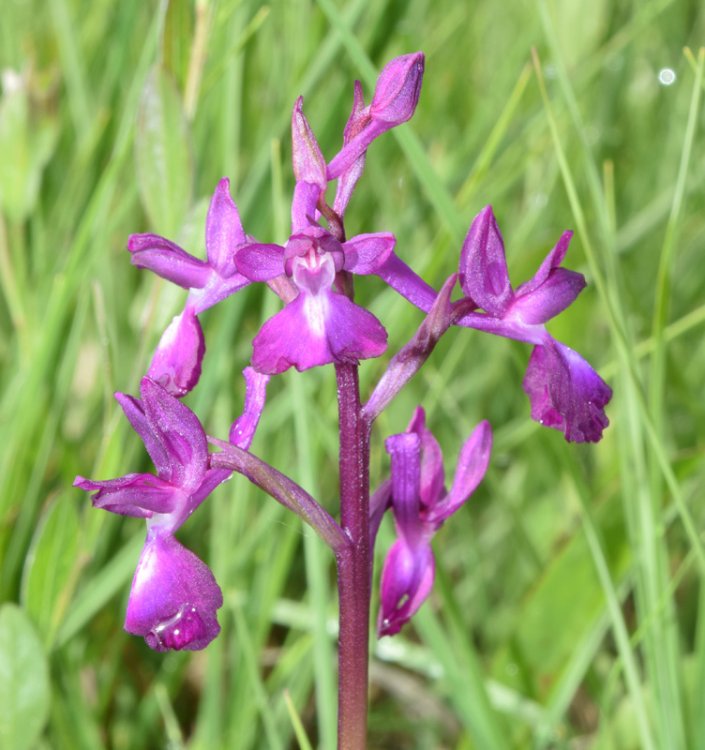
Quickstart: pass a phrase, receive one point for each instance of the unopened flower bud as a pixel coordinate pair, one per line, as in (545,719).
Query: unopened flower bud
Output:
(397,90)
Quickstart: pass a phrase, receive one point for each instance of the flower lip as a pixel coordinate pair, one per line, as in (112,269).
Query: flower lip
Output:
(181,631)
(174,597)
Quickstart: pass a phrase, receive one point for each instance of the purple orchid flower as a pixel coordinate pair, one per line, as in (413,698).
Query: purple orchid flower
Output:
(420,505)
(565,392)
(174,596)
(176,364)
(320,325)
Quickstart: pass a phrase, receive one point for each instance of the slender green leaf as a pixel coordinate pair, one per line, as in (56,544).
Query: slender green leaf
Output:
(24,681)
(163,154)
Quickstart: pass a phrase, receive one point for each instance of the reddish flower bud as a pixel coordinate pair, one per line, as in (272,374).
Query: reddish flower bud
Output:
(397,90)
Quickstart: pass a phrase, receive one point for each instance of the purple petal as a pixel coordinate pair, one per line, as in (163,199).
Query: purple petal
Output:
(134,411)
(366,253)
(137,495)
(405,453)
(260,262)
(407,283)
(407,579)
(309,164)
(432,473)
(510,327)
(397,90)
(566,393)
(303,206)
(472,465)
(483,266)
(359,115)
(549,263)
(182,435)
(168,260)
(211,479)
(317,329)
(174,597)
(176,364)
(558,291)
(243,428)
(379,503)
(224,230)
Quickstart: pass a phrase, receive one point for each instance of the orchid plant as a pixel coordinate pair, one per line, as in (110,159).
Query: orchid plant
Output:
(174,598)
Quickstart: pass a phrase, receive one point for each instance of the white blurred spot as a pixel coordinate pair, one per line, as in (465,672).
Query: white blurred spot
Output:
(666,76)
(12,81)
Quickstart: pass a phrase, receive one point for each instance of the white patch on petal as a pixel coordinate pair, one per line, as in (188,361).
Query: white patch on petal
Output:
(316,309)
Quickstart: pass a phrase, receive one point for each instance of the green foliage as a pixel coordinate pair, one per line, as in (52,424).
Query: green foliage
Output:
(569,606)
(24,680)
(163,154)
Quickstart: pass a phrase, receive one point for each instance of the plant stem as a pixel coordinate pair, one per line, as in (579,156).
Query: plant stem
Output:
(353,563)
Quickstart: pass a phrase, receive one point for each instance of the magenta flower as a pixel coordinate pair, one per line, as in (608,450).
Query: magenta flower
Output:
(420,505)
(176,364)
(320,325)
(565,392)
(174,597)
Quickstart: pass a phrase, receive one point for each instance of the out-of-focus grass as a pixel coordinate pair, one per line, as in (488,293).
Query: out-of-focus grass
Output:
(568,605)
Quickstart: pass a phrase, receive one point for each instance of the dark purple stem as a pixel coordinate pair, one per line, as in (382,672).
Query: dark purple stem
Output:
(353,563)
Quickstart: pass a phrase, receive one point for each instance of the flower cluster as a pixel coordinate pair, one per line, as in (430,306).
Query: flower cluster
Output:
(174,597)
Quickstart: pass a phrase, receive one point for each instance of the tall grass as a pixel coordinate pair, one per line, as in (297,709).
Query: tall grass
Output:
(568,609)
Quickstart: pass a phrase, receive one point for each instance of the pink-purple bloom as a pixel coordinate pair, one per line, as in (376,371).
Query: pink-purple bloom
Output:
(176,364)
(174,596)
(421,504)
(565,392)
(320,325)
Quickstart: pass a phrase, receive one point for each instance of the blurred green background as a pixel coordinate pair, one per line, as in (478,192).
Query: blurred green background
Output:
(569,608)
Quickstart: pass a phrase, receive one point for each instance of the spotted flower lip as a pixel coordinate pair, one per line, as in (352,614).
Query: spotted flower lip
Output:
(564,390)
(566,393)
(320,325)
(174,597)
(421,505)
